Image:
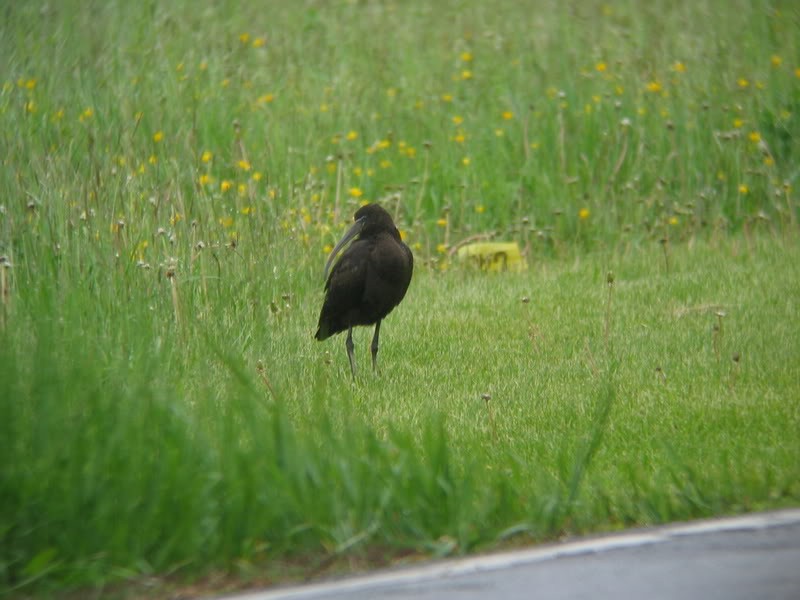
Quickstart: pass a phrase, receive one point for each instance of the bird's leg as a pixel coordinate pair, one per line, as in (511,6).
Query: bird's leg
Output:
(374,346)
(349,345)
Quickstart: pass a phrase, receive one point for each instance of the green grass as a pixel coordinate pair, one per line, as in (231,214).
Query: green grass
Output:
(170,188)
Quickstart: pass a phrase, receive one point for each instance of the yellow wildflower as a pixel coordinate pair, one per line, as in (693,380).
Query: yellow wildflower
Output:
(207,156)
(352,135)
(225,185)
(466,56)
(356,192)
(775,60)
(158,136)
(754,137)
(679,67)
(601,67)
(244,165)
(508,115)
(654,87)
(743,189)
(583,214)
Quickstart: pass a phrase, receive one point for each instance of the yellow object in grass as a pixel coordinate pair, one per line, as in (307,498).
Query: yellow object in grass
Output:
(494,256)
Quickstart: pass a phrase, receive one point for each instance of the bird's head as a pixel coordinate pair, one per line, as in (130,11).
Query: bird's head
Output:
(370,219)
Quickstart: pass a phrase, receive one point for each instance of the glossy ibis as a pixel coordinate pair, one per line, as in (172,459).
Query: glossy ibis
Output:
(368,281)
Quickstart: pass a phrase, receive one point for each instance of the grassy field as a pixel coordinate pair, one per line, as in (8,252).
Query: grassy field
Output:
(174,175)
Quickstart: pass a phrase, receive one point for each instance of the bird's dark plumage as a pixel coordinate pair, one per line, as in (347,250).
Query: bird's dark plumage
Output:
(368,281)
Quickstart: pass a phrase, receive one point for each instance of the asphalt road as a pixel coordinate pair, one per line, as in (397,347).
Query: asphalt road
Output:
(751,557)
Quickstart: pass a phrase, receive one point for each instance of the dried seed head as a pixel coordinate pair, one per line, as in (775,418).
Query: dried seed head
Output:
(486,397)
(5,262)
(525,299)
(610,278)
(736,358)
(200,245)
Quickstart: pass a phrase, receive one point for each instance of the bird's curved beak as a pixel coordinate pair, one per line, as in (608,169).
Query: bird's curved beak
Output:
(354,230)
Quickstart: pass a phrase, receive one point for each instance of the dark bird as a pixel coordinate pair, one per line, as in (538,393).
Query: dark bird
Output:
(368,281)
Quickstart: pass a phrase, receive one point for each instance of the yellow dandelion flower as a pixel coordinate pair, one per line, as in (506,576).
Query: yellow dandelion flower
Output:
(743,83)
(266,98)
(743,189)
(356,192)
(769,161)
(244,165)
(204,179)
(411,152)
(754,137)
(352,135)
(737,123)
(466,56)
(225,185)
(324,107)
(225,82)
(466,74)
(176,218)
(465,161)
(87,114)
(246,210)
(499,132)
(259,42)
(601,67)
(480,209)
(206,156)
(403,235)
(458,120)
(327,249)
(226,221)
(797,72)
(507,115)
(203,65)
(583,214)
(242,189)
(679,67)
(654,87)
(447,97)
(441,248)
(244,38)
(442,222)
(158,136)
(391,92)
(30,106)
(673,220)
(152,159)
(460,138)
(775,60)
(385,164)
